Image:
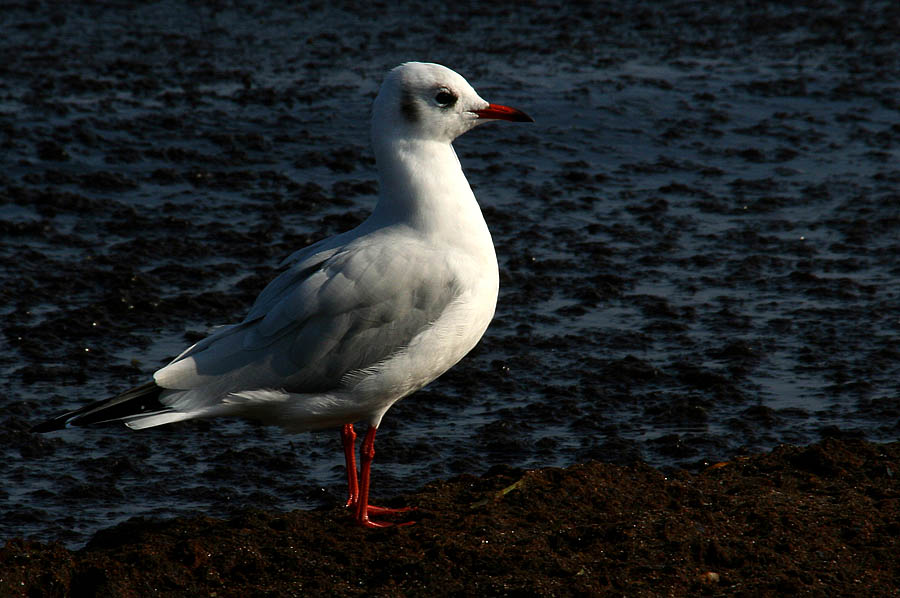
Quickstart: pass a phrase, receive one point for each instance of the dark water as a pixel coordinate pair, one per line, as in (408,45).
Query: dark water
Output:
(698,239)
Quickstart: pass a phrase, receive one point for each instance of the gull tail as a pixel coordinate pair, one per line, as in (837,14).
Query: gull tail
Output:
(138,402)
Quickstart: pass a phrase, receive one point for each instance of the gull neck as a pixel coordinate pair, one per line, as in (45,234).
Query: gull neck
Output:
(422,184)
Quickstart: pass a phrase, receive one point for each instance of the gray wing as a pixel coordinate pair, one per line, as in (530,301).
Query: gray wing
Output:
(299,265)
(319,321)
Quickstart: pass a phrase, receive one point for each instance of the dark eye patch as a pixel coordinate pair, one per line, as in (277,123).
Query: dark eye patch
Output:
(408,107)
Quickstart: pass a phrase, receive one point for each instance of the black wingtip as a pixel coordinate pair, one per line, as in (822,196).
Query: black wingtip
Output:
(137,400)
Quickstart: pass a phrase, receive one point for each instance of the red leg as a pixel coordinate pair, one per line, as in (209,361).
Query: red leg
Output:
(363,508)
(348,437)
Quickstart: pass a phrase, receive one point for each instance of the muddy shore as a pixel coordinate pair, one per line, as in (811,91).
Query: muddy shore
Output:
(823,520)
(699,244)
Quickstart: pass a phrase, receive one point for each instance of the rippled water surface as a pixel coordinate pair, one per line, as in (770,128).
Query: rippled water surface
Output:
(698,238)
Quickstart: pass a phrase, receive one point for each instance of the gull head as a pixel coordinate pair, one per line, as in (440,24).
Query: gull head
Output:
(431,102)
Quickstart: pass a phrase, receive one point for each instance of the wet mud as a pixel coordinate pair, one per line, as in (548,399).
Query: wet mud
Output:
(821,520)
(699,242)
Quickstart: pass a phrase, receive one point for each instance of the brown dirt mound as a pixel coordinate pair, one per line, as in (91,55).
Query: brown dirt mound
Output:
(820,520)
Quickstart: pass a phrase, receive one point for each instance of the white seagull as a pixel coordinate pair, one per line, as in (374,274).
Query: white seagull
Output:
(356,322)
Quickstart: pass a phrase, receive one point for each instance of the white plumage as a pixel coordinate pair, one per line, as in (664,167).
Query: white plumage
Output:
(358,321)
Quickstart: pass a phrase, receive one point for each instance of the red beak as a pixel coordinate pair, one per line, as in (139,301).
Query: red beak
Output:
(498,112)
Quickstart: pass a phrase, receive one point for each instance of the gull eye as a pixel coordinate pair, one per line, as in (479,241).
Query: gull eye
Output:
(445,98)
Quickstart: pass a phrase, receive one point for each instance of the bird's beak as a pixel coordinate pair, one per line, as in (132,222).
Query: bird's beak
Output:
(498,112)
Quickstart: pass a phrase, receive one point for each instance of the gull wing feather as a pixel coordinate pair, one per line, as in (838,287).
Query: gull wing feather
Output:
(320,320)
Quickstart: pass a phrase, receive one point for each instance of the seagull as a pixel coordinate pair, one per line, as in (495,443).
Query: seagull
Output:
(358,321)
